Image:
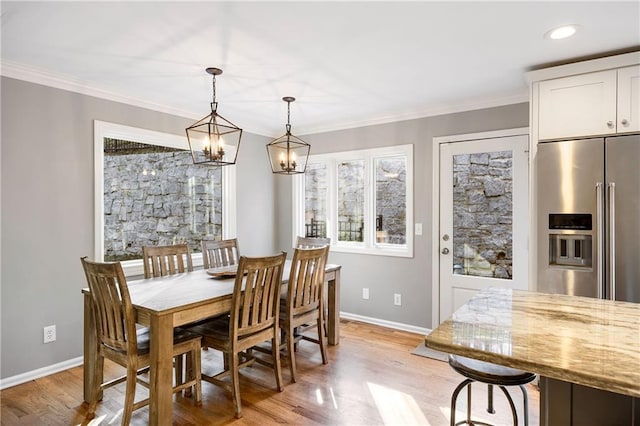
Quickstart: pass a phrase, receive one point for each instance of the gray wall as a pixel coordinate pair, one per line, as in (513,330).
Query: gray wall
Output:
(47,212)
(383,275)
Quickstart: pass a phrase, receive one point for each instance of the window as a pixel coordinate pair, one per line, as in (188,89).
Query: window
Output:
(149,192)
(362,200)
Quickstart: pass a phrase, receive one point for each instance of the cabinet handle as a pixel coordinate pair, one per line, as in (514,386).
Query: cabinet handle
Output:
(624,122)
(610,124)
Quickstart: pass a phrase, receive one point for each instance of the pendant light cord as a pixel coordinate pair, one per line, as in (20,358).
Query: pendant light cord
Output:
(214,104)
(288,127)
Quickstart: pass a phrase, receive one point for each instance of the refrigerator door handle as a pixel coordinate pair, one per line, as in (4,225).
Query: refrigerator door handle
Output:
(612,238)
(599,236)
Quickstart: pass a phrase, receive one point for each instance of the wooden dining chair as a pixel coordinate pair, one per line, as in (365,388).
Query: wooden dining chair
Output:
(216,254)
(303,307)
(253,320)
(125,344)
(166,260)
(312,242)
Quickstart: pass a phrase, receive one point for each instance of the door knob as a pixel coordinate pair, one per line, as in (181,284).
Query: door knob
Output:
(624,122)
(610,124)
(445,251)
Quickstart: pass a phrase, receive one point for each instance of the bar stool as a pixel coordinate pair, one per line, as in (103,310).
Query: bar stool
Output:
(491,374)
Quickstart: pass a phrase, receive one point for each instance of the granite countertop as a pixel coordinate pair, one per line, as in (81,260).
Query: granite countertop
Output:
(591,342)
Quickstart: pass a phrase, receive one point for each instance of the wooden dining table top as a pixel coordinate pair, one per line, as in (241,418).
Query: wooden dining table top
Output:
(187,290)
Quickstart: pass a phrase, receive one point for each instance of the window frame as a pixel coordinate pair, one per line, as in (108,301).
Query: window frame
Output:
(369,245)
(104,129)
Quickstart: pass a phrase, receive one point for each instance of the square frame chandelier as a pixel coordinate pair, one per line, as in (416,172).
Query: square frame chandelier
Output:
(288,154)
(214,140)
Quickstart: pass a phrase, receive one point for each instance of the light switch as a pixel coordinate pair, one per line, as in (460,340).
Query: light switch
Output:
(418,229)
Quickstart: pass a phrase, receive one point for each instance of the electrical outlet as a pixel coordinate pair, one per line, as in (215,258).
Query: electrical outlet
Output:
(365,293)
(397,299)
(50,334)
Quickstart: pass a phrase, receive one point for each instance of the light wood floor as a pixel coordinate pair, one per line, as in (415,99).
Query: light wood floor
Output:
(371,379)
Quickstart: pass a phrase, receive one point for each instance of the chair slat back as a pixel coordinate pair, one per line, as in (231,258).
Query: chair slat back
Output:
(312,242)
(114,314)
(306,279)
(166,260)
(256,295)
(216,254)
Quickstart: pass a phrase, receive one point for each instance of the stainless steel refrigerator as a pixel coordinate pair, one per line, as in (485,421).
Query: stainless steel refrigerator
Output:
(588,217)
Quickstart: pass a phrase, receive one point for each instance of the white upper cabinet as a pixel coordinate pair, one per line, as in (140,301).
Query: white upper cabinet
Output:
(578,105)
(598,97)
(629,99)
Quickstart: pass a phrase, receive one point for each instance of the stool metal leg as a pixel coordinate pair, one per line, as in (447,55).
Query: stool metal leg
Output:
(490,409)
(513,406)
(469,404)
(454,398)
(526,405)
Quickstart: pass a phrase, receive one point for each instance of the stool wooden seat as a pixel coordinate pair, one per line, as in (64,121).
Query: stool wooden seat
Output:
(491,374)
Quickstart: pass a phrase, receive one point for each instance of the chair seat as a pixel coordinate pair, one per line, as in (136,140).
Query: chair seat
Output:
(489,373)
(215,331)
(143,339)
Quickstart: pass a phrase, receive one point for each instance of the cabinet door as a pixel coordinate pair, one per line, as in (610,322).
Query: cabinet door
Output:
(580,105)
(629,99)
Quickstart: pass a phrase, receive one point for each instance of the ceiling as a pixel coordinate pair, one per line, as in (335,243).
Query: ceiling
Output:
(348,64)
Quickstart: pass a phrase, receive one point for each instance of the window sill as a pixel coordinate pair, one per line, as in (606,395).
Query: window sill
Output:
(135,268)
(401,251)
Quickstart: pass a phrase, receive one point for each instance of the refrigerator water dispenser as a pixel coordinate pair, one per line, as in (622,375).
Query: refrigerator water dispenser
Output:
(570,250)
(570,245)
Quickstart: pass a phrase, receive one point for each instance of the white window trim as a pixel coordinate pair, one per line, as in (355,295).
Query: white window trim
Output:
(102,130)
(369,246)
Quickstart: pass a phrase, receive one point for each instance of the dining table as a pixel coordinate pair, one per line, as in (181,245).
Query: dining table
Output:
(163,303)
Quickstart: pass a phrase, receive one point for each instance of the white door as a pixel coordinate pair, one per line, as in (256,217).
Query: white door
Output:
(483,218)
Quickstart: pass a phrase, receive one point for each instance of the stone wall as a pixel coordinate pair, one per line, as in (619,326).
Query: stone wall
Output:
(482,214)
(390,198)
(158,199)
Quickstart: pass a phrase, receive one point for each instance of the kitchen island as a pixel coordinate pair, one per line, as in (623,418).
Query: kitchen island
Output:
(586,351)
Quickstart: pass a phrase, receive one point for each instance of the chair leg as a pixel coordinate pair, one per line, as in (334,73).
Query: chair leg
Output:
(130,394)
(322,339)
(196,373)
(291,350)
(275,351)
(179,367)
(95,392)
(235,383)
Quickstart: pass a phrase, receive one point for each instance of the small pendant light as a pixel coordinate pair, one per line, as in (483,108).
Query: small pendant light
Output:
(288,154)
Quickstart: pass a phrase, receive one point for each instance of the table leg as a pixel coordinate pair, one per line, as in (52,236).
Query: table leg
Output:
(160,389)
(333,320)
(90,349)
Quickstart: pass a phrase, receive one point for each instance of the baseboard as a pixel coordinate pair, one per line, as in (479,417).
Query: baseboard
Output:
(385,323)
(40,372)
(65,365)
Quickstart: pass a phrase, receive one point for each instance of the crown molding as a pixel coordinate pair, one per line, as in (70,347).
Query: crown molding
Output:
(64,82)
(516,97)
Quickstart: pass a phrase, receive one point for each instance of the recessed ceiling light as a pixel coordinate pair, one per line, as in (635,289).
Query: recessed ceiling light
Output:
(562,32)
